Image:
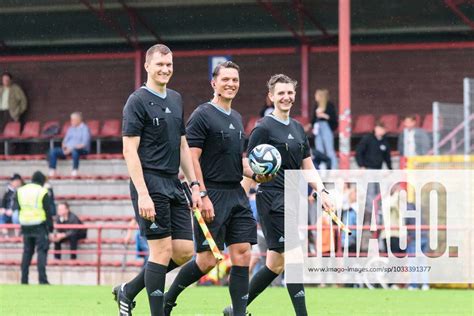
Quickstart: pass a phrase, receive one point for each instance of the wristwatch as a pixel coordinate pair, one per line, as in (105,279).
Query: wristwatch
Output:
(193,183)
(315,194)
(203,194)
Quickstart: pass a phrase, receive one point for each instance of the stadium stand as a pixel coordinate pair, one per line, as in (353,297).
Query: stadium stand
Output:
(363,124)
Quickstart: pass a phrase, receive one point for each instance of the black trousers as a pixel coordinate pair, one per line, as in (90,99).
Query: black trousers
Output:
(39,241)
(73,242)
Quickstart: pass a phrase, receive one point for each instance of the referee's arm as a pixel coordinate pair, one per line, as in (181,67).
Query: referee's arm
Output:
(130,153)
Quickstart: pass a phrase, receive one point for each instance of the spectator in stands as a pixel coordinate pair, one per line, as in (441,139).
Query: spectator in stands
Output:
(373,149)
(413,141)
(13,102)
(325,122)
(76,143)
(141,245)
(65,216)
(267,108)
(36,225)
(8,207)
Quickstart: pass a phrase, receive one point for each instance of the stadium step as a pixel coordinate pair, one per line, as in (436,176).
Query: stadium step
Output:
(89,167)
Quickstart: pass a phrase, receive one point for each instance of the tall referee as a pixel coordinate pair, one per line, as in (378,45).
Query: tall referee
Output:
(288,136)
(154,146)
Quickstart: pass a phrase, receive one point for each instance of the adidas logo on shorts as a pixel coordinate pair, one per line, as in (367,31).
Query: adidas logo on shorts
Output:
(153,226)
(205,243)
(282,239)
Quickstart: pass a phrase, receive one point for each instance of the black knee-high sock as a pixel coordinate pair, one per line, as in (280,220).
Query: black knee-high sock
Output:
(155,277)
(239,289)
(134,287)
(137,284)
(260,281)
(172,265)
(297,295)
(188,274)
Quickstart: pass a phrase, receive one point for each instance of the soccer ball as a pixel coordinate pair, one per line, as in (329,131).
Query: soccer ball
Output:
(265,159)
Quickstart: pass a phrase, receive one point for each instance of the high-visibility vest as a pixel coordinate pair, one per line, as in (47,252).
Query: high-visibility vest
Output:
(30,200)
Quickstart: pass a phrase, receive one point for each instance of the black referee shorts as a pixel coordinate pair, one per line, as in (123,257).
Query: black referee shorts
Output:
(173,216)
(271,212)
(233,222)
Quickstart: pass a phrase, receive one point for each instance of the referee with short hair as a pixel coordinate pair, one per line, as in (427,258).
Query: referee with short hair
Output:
(154,147)
(216,136)
(288,137)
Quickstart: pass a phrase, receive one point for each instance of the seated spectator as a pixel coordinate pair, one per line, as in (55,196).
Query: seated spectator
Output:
(75,143)
(65,216)
(8,207)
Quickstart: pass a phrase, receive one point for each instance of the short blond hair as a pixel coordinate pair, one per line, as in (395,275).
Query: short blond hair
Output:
(162,49)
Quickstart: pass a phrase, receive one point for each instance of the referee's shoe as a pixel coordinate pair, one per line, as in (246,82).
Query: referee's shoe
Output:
(125,305)
(229,311)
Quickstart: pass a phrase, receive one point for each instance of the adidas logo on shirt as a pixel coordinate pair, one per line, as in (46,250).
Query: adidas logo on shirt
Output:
(231,126)
(290,136)
(299,294)
(167,110)
(159,293)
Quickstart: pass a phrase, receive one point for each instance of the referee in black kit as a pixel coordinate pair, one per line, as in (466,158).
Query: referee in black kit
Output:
(286,135)
(215,135)
(154,147)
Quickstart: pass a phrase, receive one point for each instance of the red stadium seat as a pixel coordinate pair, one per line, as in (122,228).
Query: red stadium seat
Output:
(49,126)
(94,127)
(428,123)
(64,129)
(111,128)
(31,130)
(251,124)
(11,130)
(364,124)
(391,122)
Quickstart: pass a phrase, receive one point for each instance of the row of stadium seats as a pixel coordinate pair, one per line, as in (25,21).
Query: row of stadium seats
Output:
(77,263)
(364,123)
(31,129)
(43,157)
(78,177)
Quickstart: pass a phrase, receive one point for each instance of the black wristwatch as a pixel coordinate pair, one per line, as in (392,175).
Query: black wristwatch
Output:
(315,194)
(203,194)
(194,183)
(254,177)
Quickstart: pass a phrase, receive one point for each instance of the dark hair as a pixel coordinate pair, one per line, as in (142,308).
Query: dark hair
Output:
(226,64)
(162,49)
(38,178)
(66,204)
(6,73)
(379,124)
(410,116)
(280,78)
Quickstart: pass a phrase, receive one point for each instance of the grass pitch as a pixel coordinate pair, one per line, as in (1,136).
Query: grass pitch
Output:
(97,300)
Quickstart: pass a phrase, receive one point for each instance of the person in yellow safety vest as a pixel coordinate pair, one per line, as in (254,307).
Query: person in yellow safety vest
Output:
(36,225)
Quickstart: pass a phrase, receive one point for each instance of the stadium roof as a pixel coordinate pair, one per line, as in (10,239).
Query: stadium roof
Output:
(65,23)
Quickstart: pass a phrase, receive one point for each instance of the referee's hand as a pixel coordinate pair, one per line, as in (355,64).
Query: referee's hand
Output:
(146,207)
(260,178)
(207,210)
(196,197)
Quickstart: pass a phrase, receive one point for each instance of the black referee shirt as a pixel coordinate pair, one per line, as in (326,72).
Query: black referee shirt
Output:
(221,137)
(290,140)
(159,123)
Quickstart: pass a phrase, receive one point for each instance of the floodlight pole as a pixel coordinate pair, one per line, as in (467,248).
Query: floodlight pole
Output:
(344,83)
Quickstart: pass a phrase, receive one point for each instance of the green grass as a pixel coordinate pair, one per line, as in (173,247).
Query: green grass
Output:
(97,300)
